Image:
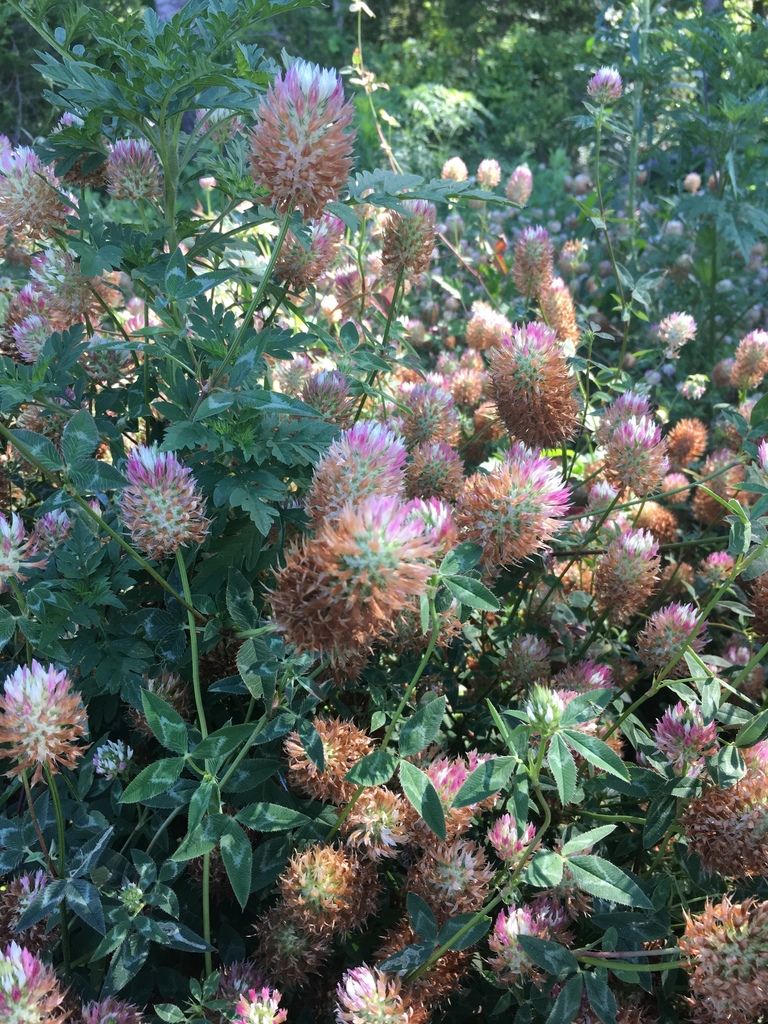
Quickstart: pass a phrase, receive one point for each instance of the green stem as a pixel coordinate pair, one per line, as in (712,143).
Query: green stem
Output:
(62,863)
(385,338)
(234,348)
(192,644)
(397,715)
(36,824)
(156,835)
(594,961)
(628,818)
(207,911)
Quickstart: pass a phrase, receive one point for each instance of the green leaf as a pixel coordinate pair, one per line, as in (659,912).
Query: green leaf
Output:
(661,813)
(454,925)
(550,956)
(269,859)
(568,1002)
(422,919)
(488,778)
(153,780)
(545,869)
(175,273)
(95,476)
(586,839)
(601,999)
(237,855)
(563,768)
(83,899)
(753,731)
(312,743)
(408,959)
(266,817)
(373,770)
(461,559)
(7,626)
(596,752)
(422,727)
(166,724)
(201,802)
(222,742)
(739,538)
(423,796)
(43,450)
(80,438)
(607,881)
(240,600)
(471,593)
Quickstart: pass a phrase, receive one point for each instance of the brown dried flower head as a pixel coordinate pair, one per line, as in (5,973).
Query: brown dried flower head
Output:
(288,950)
(409,238)
(559,312)
(627,574)
(343,746)
(486,327)
(686,442)
(329,890)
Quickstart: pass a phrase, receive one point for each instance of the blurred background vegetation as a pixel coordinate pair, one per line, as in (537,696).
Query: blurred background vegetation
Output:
(480,77)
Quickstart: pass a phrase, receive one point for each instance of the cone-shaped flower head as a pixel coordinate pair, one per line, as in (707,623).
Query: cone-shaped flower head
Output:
(683,740)
(686,442)
(452,877)
(15,898)
(378,824)
(51,530)
(605,86)
(750,363)
(427,413)
(674,330)
(300,147)
(301,266)
(328,394)
(409,238)
(727,828)
(29,990)
(520,185)
(353,579)
(513,510)
(486,327)
(343,746)
(68,295)
(287,950)
(454,169)
(619,411)
(509,841)
(327,889)
(533,265)
(692,182)
(669,631)
(30,336)
(584,677)
(112,1011)
(526,661)
(544,709)
(533,386)
(133,171)
(366,995)
(260,1006)
(557,307)
(434,470)
(627,574)
(636,456)
(729,969)
(17,552)
(717,567)
(365,460)
(437,522)
(510,963)
(41,720)
(161,507)
(489,174)
(29,201)
(237,979)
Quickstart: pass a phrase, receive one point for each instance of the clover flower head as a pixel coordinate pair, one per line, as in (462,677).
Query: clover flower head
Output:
(519,185)
(683,740)
(605,86)
(260,1006)
(454,169)
(668,632)
(133,171)
(488,174)
(509,841)
(112,758)
(29,990)
(532,269)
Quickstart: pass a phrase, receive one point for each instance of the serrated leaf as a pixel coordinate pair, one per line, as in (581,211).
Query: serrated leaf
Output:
(418,731)
(83,899)
(153,780)
(80,437)
(41,447)
(373,770)
(461,559)
(661,813)
(312,743)
(550,956)
(753,731)
(419,790)
(563,768)
(222,742)
(240,604)
(601,999)
(175,273)
(95,476)
(455,924)
(607,881)
(7,626)
(237,855)
(408,959)
(596,752)
(545,869)
(471,593)
(423,921)
(568,1002)
(266,817)
(585,839)
(488,778)
(166,723)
